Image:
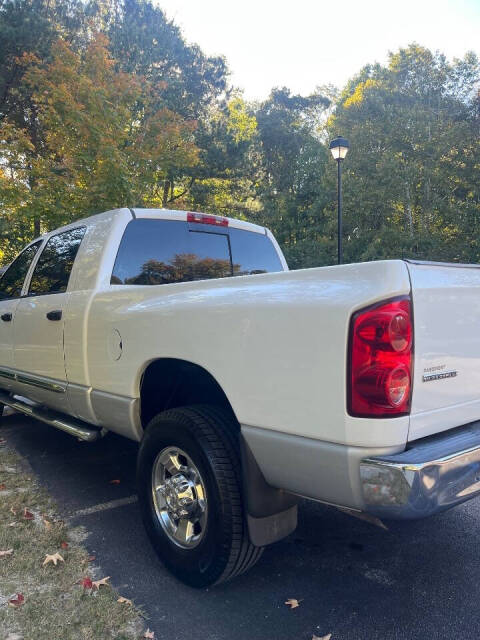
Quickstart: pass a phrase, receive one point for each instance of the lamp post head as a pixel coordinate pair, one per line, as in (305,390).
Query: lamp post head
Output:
(339,147)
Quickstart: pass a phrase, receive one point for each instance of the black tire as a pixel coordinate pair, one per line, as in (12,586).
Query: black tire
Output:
(209,435)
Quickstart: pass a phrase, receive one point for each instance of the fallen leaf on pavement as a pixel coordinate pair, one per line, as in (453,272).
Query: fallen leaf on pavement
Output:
(2,487)
(149,634)
(327,637)
(64,545)
(17,600)
(55,557)
(8,552)
(123,600)
(86,583)
(27,515)
(91,559)
(292,603)
(101,583)
(116,481)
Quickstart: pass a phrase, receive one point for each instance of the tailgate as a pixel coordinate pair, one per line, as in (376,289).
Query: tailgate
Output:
(446,381)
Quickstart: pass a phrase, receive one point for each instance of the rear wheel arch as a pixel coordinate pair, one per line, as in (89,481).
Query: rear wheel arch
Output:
(169,383)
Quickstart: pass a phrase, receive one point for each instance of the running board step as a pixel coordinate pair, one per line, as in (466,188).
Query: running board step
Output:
(73,426)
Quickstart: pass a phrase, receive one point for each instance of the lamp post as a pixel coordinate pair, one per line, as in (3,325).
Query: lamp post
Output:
(339,148)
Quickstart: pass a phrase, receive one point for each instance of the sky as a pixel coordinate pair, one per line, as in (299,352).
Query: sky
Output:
(303,44)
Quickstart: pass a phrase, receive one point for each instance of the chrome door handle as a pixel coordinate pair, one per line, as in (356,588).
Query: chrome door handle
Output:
(54,315)
(6,317)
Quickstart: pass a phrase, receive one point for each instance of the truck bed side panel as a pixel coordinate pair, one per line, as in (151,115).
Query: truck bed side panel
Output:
(276,343)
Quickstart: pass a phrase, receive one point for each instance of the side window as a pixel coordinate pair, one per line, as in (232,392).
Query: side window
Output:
(166,251)
(55,263)
(253,253)
(12,280)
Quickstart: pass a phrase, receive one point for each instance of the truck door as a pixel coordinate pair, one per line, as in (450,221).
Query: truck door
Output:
(39,323)
(11,284)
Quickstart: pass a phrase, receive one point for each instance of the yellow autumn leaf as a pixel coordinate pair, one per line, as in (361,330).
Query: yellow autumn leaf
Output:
(55,558)
(101,583)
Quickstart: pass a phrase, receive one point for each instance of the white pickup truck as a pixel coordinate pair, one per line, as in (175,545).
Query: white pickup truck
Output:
(246,385)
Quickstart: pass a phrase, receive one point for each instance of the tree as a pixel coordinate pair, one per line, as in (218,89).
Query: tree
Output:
(178,84)
(191,84)
(15,228)
(29,27)
(292,167)
(144,42)
(224,179)
(106,143)
(410,171)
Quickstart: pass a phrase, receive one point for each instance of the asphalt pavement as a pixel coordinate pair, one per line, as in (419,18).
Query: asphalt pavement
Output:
(418,580)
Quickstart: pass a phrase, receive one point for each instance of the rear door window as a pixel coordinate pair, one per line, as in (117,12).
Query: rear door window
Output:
(11,282)
(52,271)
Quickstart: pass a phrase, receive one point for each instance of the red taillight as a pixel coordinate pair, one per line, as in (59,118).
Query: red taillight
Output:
(380,360)
(205,219)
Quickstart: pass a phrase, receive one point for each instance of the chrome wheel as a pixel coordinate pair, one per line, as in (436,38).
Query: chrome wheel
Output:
(179,497)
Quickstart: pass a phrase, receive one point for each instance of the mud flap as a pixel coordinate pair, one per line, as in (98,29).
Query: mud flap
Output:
(271,513)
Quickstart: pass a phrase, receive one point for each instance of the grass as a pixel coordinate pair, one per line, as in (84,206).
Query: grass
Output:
(56,606)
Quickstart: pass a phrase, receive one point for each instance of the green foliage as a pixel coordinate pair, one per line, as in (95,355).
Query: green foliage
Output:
(241,124)
(291,176)
(106,142)
(104,104)
(410,186)
(145,43)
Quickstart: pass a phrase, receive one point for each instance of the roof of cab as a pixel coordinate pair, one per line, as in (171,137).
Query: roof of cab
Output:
(162,214)
(172,214)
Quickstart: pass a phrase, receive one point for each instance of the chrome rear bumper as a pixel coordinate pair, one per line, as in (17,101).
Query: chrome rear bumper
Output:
(434,474)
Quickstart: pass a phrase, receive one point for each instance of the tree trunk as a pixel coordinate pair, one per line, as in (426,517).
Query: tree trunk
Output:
(166,189)
(408,209)
(36,227)
(36,218)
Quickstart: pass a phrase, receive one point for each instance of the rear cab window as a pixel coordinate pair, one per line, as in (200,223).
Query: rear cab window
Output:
(253,253)
(154,251)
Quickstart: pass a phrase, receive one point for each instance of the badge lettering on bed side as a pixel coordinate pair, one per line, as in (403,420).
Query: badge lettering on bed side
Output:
(440,375)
